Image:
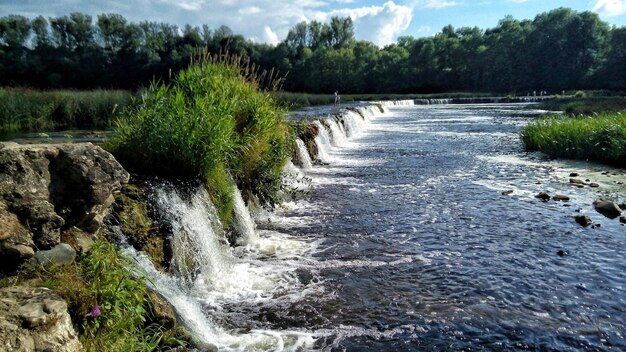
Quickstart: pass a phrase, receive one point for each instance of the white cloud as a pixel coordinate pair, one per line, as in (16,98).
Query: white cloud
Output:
(379,24)
(269,36)
(261,20)
(610,8)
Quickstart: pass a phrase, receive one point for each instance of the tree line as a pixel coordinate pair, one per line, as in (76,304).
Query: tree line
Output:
(558,50)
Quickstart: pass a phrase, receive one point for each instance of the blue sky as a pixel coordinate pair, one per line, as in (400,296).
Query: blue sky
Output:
(270,20)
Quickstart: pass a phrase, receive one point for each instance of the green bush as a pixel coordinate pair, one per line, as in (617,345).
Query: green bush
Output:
(601,138)
(213,123)
(30,110)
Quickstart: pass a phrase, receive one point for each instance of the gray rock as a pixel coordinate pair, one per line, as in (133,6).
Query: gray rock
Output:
(607,208)
(594,185)
(576,181)
(583,220)
(574,174)
(622,219)
(45,188)
(62,254)
(35,319)
(507,193)
(561,198)
(543,196)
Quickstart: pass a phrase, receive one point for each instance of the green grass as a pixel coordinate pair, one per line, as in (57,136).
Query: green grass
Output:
(600,138)
(103,277)
(29,110)
(213,123)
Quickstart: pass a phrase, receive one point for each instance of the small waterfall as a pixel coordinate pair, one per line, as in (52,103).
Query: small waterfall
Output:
(323,142)
(353,122)
(338,135)
(243,223)
(192,253)
(303,157)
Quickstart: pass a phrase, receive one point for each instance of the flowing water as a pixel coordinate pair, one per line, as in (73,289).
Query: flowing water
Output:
(407,243)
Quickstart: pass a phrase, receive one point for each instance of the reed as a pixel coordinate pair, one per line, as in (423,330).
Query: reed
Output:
(216,122)
(599,138)
(29,110)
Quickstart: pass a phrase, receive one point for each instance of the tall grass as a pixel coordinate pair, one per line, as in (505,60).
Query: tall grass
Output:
(601,138)
(214,122)
(31,110)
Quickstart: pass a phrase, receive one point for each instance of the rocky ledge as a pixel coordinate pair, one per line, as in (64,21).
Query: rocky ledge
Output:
(35,319)
(46,189)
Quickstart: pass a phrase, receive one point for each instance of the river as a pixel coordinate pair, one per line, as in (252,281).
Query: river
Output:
(421,232)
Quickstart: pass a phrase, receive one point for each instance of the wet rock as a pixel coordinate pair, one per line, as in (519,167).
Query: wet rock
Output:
(576,181)
(607,208)
(596,226)
(543,196)
(507,193)
(622,219)
(562,253)
(35,319)
(561,198)
(622,206)
(162,313)
(574,174)
(583,220)
(594,185)
(62,254)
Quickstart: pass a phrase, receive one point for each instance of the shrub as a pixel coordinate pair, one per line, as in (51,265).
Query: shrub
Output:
(215,123)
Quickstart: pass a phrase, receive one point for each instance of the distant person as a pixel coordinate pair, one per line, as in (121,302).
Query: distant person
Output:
(337,98)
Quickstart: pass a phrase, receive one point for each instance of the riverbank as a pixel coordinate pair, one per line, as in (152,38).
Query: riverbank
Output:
(591,128)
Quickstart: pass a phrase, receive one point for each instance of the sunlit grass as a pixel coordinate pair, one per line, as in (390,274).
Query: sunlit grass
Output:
(599,138)
(215,122)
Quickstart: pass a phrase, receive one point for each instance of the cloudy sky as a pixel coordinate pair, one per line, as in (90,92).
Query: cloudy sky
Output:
(380,21)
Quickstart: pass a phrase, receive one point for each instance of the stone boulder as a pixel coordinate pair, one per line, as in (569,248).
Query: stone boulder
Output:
(607,208)
(35,319)
(45,188)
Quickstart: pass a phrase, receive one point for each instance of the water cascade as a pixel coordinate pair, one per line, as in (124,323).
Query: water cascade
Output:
(338,136)
(209,275)
(323,142)
(303,157)
(243,224)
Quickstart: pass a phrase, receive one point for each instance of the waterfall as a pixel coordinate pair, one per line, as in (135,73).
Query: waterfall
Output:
(338,135)
(209,275)
(353,122)
(243,224)
(303,157)
(323,142)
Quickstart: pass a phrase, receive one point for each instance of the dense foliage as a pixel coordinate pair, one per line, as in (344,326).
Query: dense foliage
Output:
(31,110)
(213,122)
(598,138)
(558,50)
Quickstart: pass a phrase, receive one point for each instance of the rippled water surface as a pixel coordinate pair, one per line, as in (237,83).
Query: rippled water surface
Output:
(416,247)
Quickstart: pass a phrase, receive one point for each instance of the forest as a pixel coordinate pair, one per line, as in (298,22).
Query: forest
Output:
(558,50)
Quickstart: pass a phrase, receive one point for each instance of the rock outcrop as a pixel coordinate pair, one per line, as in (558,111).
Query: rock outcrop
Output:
(607,208)
(46,188)
(35,319)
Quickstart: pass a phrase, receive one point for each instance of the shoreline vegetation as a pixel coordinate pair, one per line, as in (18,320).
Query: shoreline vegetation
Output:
(592,128)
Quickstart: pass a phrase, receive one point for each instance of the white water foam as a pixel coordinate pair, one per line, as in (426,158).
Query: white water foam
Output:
(304,159)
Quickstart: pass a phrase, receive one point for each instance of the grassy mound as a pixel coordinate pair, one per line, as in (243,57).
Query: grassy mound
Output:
(601,138)
(215,123)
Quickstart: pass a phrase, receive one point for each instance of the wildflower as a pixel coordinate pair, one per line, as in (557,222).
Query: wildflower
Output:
(95,311)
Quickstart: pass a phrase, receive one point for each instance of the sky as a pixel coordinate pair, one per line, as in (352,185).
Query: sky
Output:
(270,20)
